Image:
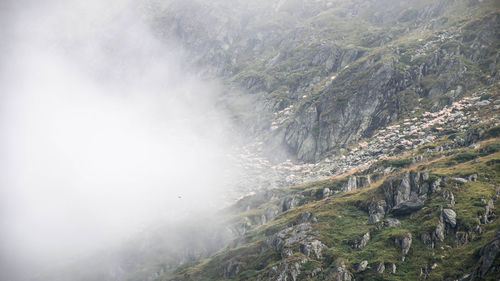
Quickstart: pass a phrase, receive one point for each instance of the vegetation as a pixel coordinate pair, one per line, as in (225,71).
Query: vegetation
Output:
(343,217)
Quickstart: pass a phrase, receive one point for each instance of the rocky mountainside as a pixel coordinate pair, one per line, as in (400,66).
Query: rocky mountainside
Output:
(428,214)
(373,150)
(322,75)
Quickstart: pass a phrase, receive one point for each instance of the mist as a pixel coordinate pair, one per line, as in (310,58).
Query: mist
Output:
(103,132)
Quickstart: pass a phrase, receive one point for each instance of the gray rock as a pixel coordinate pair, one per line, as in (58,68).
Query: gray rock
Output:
(326,192)
(339,273)
(482,103)
(364,240)
(362,266)
(403,242)
(438,234)
(376,211)
(360,242)
(436,185)
(408,207)
(380,267)
(284,271)
(460,180)
(301,236)
(472,177)
(450,217)
(291,202)
(391,222)
(405,193)
(305,217)
(316,271)
(313,248)
(488,212)
(489,253)
(448,195)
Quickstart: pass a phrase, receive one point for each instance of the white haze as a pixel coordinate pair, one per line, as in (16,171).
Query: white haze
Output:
(101,131)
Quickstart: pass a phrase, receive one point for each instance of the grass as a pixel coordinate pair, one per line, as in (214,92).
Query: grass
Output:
(342,218)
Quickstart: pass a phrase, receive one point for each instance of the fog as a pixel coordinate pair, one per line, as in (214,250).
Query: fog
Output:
(103,132)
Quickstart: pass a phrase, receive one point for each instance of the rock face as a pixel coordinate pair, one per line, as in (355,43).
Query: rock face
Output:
(450,217)
(291,202)
(362,266)
(407,193)
(391,222)
(489,254)
(380,267)
(361,242)
(404,194)
(356,182)
(297,238)
(284,271)
(377,211)
(403,242)
(446,222)
(339,273)
(488,212)
(338,93)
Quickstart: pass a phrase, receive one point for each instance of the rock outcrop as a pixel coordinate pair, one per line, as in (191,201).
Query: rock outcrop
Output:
(339,273)
(300,237)
(489,254)
(403,242)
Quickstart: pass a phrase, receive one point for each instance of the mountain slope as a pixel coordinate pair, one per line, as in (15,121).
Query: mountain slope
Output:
(325,74)
(430,214)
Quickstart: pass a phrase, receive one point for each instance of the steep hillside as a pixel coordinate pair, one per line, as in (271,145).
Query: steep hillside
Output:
(322,75)
(429,214)
(372,143)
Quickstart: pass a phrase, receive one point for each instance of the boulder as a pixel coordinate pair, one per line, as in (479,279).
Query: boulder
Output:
(376,211)
(326,192)
(450,217)
(408,207)
(291,202)
(380,267)
(339,273)
(362,266)
(391,222)
(361,242)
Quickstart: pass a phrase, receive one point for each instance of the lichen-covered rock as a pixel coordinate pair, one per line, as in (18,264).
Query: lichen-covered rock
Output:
(362,266)
(299,237)
(488,212)
(339,273)
(284,271)
(380,267)
(448,195)
(450,217)
(403,242)
(391,222)
(360,243)
(291,202)
(377,211)
(326,192)
(406,193)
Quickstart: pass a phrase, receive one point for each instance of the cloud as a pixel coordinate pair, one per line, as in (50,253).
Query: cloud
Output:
(102,130)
